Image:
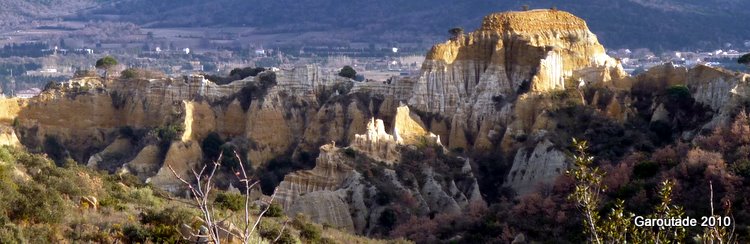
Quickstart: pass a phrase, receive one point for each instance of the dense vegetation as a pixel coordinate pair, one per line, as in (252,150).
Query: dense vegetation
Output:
(45,203)
(41,202)
(745,59)
(348,72)
(33,50)
(236,74)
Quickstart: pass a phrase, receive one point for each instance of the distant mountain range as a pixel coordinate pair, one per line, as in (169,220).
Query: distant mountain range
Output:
(655,24)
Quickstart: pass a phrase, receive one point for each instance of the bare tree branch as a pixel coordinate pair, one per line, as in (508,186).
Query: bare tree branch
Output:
(200,194)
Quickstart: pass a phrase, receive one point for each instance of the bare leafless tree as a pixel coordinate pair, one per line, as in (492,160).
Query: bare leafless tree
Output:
(200,191)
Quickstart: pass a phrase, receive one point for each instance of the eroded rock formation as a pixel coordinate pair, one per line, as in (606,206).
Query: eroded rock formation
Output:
(517,87)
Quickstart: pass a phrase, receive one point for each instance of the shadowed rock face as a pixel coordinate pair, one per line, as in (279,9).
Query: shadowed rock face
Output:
(339,193)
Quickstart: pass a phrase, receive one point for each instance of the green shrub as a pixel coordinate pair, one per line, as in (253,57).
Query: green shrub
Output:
(111,202)
(129,73)
(211,146)
(745,59)
(231,201)
(40,234)
(52,85)
(6,155)
(741,168)
(350,152)
(679,92)
(382,199)
(36,204)
(145,196)
(136,234)
(348,72)
(167,134)
(10,233)
(326,240)
(127,132)
(270,230)
(245,72)
(275,210)
(267,80)
(310,232)
(645,170)
(168,216)
(165,234)
(230,160)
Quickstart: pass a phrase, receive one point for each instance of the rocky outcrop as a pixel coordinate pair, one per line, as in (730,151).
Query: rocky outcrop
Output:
(325,207)
(8,136)
(409,128)
(536,49)
(121,147)
(145,164)
(337,193)
(377,143)
(330,172)
(714,86)
(184,157)
(661,77)
(533,167)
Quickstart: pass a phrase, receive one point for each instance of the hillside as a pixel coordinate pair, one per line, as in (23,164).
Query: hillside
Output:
(18,11)
(663,24)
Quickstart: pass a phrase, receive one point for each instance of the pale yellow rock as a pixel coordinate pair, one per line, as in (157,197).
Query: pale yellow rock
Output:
(9,109)
(121,146)
(8,136)
(200,120)
(267,127)
(146,163)
(377,144)
(230,120)
(183,157)
(542,47)
(661,77)
(408,127)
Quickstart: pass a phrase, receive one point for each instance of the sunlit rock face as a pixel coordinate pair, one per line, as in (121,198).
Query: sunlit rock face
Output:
(714,86)
(476,79)
(377,142)
(661,77)
(538,49)
(410,130)
(8,136)
(723,91)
